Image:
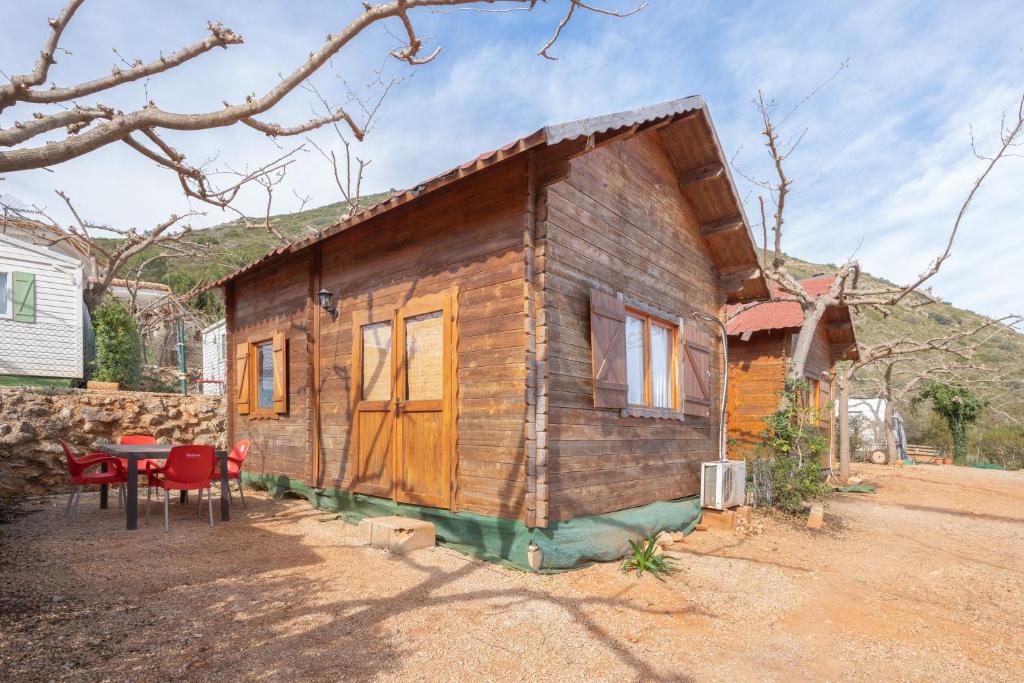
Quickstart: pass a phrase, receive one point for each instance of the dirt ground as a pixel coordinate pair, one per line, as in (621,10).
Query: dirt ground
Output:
(922,581)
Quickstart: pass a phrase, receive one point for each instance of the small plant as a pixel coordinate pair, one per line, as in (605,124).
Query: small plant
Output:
(786,472)
(646,558)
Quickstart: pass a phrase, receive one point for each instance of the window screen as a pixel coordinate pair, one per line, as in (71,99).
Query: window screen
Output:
(265,376)
(424,375)
(377,362)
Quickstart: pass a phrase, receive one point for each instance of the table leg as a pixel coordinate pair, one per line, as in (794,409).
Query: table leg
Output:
(225,501)
(182,497)
(104,492)
(131,505)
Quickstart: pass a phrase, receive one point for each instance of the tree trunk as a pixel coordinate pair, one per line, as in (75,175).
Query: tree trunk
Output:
(804,338)
(892,453)
(844,429)
(93,295)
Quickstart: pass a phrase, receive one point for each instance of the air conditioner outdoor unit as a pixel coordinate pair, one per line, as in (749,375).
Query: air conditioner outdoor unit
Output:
(723,484)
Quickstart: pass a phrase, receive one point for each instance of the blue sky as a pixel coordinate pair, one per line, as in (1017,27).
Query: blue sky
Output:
(881,171)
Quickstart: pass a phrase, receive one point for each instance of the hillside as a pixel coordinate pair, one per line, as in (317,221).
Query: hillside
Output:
(232,245)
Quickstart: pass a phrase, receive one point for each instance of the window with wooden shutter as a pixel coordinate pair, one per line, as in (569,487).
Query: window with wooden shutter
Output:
(697,371)
(608,350)
(280,373)
(24,290)
(242,378)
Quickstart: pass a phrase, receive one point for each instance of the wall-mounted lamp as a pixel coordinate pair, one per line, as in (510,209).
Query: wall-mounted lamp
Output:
(326,300)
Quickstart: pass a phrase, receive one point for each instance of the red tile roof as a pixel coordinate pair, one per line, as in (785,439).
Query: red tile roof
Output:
(776,315)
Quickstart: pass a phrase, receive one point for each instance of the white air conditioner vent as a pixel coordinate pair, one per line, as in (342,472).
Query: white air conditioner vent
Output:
(723,484)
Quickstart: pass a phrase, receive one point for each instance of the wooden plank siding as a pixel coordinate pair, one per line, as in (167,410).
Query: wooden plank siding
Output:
(275,300)
(469,237)
(617,223)
(757,374)
(757,370)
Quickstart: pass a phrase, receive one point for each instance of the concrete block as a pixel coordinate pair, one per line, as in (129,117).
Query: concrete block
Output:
(816,518)
(398,535)
(724,520)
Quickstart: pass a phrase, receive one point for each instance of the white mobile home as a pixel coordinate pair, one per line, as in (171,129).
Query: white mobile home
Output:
(41,311)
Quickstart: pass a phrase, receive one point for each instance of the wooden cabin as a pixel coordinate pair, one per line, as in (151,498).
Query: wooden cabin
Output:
(761,342)
(511,340)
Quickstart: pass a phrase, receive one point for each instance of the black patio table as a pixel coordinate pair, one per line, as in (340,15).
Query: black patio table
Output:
(135,452)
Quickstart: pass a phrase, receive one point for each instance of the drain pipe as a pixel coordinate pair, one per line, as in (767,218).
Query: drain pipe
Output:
(725,378)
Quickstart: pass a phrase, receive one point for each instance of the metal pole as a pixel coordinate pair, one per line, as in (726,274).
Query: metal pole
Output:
(182,361)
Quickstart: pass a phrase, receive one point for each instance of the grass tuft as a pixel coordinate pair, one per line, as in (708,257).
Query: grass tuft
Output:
(646,558)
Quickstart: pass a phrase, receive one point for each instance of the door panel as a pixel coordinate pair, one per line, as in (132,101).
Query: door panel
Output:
(403,402)
(372,417)
(373,466)
(424,467)
(423,457)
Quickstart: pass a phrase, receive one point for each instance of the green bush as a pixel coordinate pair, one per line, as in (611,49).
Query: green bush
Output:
(959,407)
(786,471)
(118,346)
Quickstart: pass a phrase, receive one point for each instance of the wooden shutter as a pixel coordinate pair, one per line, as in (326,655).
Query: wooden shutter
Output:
(608,350)
(242,378)
(280,373)
(24,290)
(696,371)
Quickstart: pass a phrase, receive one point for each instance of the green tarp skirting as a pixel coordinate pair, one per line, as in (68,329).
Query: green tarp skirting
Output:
(856,488)
(564,545)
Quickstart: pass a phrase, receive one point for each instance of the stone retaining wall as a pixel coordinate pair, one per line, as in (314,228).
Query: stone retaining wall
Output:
(32,421)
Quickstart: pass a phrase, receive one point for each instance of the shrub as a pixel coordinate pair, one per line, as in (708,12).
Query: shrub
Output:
(786,470)
(118,346)
(959,407)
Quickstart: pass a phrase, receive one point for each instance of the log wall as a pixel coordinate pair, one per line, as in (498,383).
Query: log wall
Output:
(617,223)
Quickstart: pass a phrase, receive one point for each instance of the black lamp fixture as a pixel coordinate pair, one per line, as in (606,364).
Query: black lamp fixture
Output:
(326,299)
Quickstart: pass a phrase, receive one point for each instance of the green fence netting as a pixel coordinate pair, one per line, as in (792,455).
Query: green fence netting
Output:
(565,545)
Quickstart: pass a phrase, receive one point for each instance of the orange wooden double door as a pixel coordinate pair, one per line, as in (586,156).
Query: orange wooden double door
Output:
(403,389)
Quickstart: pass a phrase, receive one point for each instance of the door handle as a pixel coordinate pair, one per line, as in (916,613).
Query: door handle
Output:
(398,406)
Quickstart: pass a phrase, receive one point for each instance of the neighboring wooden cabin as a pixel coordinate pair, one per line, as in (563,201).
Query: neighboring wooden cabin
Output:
(761,341)
(513,337)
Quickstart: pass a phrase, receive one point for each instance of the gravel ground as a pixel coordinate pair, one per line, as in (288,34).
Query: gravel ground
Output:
(922,581)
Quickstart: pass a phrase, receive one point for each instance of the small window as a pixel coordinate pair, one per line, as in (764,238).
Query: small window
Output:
(651,361)
(261,377)
(264,377)
(5,295)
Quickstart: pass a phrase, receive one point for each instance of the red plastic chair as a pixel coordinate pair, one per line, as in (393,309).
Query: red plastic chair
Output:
(188,468)
(235,460)
(77,466)
(145,464)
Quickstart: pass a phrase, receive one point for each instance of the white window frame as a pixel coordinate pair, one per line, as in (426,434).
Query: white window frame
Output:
(9,314)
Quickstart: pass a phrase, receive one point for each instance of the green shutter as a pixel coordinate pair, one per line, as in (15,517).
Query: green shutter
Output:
(24,297)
